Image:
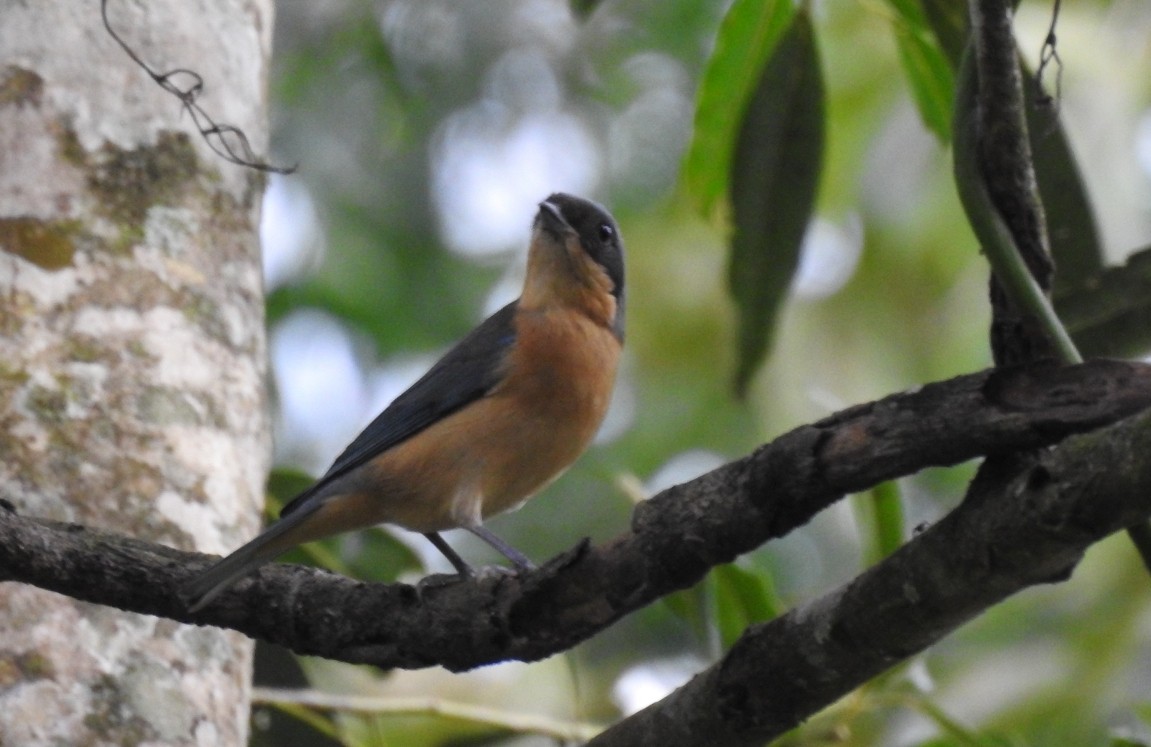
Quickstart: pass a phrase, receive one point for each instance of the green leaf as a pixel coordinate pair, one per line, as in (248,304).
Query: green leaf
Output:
(748,35)
(928,68)
(283,485)
(880,512)
(948,21)
(931,78)
(774,179)
(742,598)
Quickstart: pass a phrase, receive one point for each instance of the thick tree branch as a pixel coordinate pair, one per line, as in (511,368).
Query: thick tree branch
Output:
(1014,530)
(674,539)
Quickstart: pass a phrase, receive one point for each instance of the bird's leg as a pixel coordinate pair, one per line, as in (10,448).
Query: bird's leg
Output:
(453,557)
(519,560)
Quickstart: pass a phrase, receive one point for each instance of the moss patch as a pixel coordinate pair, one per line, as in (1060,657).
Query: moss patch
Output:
(112,718)
(17,668)
(48,244)
(128,182)
(49,405)
(20,87)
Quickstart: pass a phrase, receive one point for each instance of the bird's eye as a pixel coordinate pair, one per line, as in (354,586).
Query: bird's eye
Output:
(606,232)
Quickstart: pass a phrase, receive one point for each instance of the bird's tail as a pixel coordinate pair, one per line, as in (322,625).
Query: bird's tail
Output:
(265,547)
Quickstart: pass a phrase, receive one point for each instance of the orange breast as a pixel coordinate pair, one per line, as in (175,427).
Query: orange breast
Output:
(495,453)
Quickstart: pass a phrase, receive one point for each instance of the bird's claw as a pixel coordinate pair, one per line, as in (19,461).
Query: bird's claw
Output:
(483,573)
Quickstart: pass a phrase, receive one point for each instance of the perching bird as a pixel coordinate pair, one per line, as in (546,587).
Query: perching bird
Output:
(493,422)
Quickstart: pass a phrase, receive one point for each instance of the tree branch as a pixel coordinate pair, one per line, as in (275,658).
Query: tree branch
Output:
(1024,324)
(674,539)
(1003,151)
(1014,530)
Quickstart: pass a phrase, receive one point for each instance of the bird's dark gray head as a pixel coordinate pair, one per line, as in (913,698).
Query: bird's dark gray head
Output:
(599,235)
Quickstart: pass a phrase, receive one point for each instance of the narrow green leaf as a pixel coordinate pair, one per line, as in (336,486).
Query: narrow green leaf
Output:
(948,21)
(746,38)
(880,512)
(929,71)
(742,598)
(774,178)
(931,78)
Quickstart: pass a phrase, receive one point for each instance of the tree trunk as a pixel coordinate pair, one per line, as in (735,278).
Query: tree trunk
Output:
(131,351)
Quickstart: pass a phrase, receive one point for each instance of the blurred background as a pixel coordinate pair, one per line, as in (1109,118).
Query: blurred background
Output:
(426,132)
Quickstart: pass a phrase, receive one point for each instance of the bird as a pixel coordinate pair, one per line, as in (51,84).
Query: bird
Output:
(494,421)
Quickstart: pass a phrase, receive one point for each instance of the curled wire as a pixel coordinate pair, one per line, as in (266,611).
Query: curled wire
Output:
(1048,54)
(227,141)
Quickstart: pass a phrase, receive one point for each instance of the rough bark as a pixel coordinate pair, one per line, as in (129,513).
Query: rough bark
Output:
(131,352)
(1008,171)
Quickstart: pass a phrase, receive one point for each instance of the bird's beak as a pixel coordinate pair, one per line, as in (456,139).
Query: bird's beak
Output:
(552,220)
